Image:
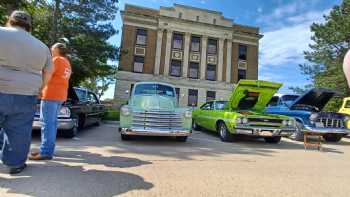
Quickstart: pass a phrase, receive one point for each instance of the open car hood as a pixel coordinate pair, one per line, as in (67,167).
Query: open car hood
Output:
(252,94)
(317,97)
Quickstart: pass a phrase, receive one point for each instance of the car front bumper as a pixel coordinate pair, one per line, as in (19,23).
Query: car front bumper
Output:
(62,124)
(146,132)
(264,131)
(326,130)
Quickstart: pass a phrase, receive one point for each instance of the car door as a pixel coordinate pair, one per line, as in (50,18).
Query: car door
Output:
(94,113)
(206,115)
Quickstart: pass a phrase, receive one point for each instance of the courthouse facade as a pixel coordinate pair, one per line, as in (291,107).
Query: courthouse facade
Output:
(199,51)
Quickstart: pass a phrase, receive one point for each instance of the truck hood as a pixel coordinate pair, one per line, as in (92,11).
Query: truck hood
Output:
(317,97)
(252,94)
(154,102)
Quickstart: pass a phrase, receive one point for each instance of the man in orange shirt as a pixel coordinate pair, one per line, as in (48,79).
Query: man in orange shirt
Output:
(53,95)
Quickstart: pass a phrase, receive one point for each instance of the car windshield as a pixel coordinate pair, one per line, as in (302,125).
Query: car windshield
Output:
(289,99)
(220,105)
(347,104)
(151,89)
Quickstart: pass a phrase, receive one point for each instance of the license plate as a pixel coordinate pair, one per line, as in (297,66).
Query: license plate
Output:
(319,124)
(266,133)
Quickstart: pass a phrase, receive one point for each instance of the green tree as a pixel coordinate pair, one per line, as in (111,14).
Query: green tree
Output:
(87,24)
(331,40)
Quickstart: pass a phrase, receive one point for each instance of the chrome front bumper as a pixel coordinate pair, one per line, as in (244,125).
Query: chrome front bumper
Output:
(326,130)
(264,131)
(62,124)
(143,132)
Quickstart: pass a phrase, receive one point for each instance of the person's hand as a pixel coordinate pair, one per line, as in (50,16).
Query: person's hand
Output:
(40,92)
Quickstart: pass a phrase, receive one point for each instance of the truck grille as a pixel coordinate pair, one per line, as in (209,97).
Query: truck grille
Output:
(331,123)
(157,120)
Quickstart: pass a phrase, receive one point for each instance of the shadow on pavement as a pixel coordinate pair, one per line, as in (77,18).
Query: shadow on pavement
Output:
(42,180)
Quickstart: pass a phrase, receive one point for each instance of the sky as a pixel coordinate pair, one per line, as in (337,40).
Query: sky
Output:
(285,25)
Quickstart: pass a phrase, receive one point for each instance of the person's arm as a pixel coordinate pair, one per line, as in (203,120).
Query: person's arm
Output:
(46,72)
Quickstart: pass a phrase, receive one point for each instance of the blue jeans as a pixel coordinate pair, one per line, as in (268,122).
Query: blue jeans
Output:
(16,120)
(48,114)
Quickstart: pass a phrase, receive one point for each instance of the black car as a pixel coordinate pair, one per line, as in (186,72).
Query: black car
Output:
(82,108)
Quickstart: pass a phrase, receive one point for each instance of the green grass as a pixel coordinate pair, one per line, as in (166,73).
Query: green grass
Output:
(112,115)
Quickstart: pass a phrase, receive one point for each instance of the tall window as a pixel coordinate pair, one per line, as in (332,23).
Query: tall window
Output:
(138,64)
(192,98)
(195,44)
(193,70)
(242,74)
(177,41)
(211,72)
(212,46)
(141,37)
(242,52)
(177,90)
(211,95)
(175,69)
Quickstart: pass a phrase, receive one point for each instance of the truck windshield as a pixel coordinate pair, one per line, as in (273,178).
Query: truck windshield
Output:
(151,89)
(289,99)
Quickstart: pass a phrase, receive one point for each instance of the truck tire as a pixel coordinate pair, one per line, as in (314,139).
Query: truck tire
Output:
(273,140)
(70,133)
(181,138)
(125,137)
(224,133)
(332,138)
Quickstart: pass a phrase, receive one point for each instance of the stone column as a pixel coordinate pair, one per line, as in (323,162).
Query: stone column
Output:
(229,61)
(220,59)
(158,51)
(168,52)
(186,54)
(203,67)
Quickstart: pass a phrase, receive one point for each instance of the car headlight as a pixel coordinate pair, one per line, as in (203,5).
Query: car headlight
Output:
(290,123)
(64,112)
(285,122)
(313,117)
(188,114)
(244,120)
(126,111)
(239,120)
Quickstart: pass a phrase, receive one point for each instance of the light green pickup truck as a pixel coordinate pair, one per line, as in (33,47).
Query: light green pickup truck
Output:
(152,110)
(244,114)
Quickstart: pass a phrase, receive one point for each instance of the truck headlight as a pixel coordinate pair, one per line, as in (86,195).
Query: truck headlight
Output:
(64,112)
(126,111)
(188,114)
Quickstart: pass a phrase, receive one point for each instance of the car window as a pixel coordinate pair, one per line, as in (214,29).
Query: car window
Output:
(82,94)
(289,99)
(273,102)
(220,105)
(151,89)
(207,106)
(92,98)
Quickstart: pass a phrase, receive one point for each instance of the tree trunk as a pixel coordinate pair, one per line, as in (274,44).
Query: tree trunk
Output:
(56,14)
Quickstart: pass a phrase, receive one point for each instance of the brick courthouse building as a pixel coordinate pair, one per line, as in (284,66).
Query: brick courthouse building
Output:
(199,51)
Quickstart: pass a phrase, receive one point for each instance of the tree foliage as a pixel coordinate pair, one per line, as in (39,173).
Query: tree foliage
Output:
(87,24)
(331,40)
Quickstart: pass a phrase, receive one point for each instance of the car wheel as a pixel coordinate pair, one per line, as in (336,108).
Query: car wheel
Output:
(224,133)
(273,140)
(195,126)
(125,137)
(298,135)
(332,138)
(181,138)
(98,123)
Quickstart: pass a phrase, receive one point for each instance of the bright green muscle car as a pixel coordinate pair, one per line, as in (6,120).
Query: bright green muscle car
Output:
(244,114)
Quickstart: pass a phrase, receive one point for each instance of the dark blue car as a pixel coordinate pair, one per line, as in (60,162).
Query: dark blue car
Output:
(307,111)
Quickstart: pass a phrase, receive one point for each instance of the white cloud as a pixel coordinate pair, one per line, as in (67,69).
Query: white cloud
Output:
(259,10)
(287,44)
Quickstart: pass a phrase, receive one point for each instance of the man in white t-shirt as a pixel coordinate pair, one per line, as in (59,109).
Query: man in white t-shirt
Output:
(25,68)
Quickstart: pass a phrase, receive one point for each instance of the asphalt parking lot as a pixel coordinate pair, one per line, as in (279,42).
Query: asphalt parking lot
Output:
(97,163)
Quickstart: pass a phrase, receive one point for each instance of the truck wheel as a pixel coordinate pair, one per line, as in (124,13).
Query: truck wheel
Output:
(298,134)
(125,137)
(273,140)
(195,126)
(332,138)
(224,133)
(181,138)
